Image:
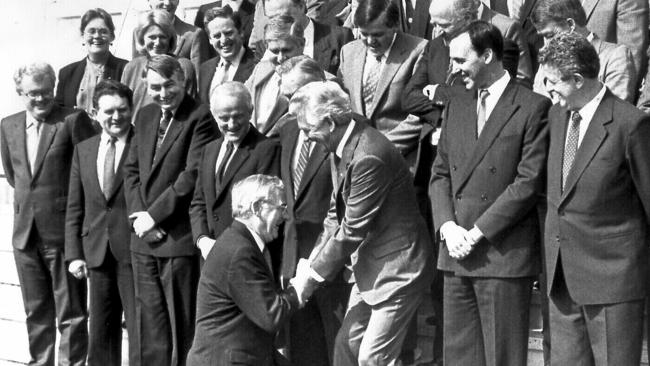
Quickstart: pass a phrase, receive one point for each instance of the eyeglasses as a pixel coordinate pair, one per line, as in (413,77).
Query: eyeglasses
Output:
(42,94)
(102,32)
(282,207)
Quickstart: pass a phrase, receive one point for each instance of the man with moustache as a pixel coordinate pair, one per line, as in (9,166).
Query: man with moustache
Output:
(239,306)
(97,232)
(160,174)
(241,151)
(595,234)
(487,178)
(284,39)
(191,42)
(37,146)
(234,61)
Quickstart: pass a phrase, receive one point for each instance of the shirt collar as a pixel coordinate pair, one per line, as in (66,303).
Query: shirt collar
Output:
(588,110)
(344,140)
(498,87)
(235,62)
(384,55)
(106,137)
(258,240)
(30,120)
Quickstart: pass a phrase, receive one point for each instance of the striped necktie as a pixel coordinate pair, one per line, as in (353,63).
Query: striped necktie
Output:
(303,158)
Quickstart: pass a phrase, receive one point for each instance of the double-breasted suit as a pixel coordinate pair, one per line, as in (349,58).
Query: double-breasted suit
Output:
(51,295)
(492,182)
(98,232)
(166,271)
(211,208)
(313,328)
(385,112)
(596,232)
(239,306)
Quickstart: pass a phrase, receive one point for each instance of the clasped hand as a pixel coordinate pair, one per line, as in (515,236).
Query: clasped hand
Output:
(145,227)
(458,240)
(303,283)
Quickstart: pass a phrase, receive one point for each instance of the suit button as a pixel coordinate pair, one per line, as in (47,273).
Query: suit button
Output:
(557,238)
(483,197)
(454,168)
(216,217)
(561,212)
(108,209)
(493,170)
(459,196)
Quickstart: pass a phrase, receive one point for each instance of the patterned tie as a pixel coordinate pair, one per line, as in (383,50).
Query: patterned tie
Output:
(373,65)
(482,111)
(571,147)
(109,168)
(224,162)
(303,158)
(162,129)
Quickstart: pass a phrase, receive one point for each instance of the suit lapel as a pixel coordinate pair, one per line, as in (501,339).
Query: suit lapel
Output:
(500,116)
(210,172)
(119,176)
(589,6)
(348,154)
(289,141)
(316,159)
(279,109)
(48,130)
(393,63)
(594,137)
(175,127)
(19,135)
(558,126)
(206,80)
(238,158)
(246,64)
(88,162)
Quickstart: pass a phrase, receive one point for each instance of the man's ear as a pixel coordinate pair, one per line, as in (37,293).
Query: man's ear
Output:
(488,55)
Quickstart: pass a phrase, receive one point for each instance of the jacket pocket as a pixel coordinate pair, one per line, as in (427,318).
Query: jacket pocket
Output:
(392,245)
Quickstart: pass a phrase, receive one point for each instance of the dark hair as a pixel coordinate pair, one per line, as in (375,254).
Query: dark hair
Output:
(164,65)
(484,35)
(225,12)
(369,11)
(112,87)
(306,65)
(571,53)
(557,11)
(94,14)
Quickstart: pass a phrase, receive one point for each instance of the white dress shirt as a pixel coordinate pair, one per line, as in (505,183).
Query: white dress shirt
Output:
(33,134)
(101,154)
(268,97)
(495,91)
(222,153)
(308,34)
(587,114)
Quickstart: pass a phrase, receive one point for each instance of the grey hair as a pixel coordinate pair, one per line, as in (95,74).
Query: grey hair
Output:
(38,70)
(232,88)
(322,99)
(253,189)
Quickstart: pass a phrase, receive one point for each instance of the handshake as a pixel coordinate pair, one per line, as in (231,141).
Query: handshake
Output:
(303,282)
(460,241)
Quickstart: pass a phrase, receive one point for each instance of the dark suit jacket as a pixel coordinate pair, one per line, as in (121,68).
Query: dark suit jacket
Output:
(70,78)
(40,197)
(420,24)
(164,187)
(211,208)
(493,182)
(246,12)
(94,224)
(208,68)
(308,209)
(239,308)
(599,224)
(374,222)
(328,41)
(191,43)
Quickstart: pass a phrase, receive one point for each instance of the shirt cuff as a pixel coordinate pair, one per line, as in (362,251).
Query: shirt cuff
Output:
(315,275)
(476,234)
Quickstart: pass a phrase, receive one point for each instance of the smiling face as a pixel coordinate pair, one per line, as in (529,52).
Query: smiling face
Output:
(225,38)
(562,90)
(156,42)
(280,50)
(168,5)
(168,93)
(467,63)
(97,36)
(38,95)
(113,114)
(272,213)
(232,115)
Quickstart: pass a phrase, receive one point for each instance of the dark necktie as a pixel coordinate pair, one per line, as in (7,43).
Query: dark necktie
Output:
(224,162)
(571,147)
(303,158)
(162,129)
(267,259)
(482,111)
(109,167)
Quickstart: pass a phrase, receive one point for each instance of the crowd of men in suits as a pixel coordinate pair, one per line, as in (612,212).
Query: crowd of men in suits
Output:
(294,177)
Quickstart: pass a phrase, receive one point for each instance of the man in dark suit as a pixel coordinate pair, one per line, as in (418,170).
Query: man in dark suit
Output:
(160,174)
(305,171)
(595,234)
(241,151)
(373,223)
(98,234)
(487,177)
(244,8)
(191,42)
(414,17)
(239,306)
(234,61)
(375,70)
(323,42)
(37,146)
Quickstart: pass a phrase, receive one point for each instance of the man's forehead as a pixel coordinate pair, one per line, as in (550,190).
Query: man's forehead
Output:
(154,77)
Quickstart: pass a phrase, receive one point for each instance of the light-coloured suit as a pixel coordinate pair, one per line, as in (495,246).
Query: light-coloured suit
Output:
(374,223)
(386,112)
(262,72)
(617,70)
